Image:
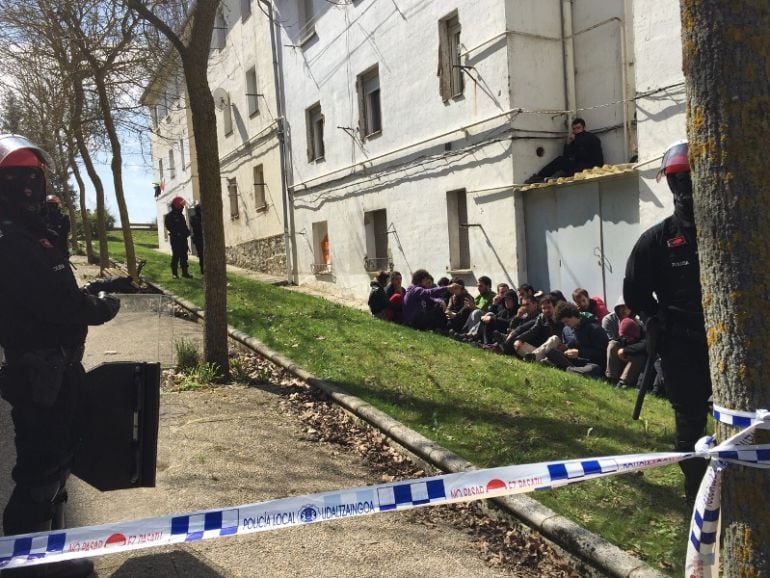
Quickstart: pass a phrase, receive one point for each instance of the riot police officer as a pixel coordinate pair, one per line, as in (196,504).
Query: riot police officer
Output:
(59,223)
(178,232)
(44,320)
(663,284)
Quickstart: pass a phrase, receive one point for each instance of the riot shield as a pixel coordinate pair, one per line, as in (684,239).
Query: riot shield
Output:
(119,426)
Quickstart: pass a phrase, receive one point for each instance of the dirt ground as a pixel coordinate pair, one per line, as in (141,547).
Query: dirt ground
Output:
(270,437)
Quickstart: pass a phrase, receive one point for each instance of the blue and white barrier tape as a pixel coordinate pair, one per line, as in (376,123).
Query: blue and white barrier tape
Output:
(42,548)
(703,547)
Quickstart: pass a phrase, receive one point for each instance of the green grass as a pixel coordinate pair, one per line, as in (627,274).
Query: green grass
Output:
(490,409)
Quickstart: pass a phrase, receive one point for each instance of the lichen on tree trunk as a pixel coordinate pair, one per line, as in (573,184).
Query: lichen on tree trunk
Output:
(727,69)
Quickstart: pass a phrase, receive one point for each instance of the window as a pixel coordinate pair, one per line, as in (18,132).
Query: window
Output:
(160,170)
(171,167)
(245,10)
(369,114)
(181,154)
(450,74)
(220,31)
(314,120)
(457,217)
(305,17)
(322,260)
(259,188)
(154,116)
(376,230)
(251,91)
(232,192)
(227,116)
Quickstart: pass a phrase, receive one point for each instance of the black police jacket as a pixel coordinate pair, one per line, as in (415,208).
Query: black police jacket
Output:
(41,305)
(664,261)
(176,225)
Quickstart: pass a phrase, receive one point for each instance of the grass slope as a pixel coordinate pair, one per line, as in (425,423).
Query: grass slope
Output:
(490,409)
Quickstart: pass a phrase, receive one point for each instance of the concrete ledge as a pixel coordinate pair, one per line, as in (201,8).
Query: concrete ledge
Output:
(579,542)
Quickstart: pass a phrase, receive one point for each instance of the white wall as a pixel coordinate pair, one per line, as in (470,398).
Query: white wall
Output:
(660,115)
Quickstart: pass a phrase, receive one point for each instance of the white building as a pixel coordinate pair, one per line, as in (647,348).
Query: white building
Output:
(242,81)
(404,157)
(409,125)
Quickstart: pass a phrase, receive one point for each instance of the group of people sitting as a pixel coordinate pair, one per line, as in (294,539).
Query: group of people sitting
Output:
(580,336)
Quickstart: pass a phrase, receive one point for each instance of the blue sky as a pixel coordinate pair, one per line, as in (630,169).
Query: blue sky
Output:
(137,184)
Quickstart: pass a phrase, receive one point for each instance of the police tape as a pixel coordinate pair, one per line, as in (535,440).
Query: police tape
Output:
(702,560)
(91,541)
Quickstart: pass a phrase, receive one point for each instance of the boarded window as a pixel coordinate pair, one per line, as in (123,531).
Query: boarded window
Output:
(449,71)
(259,188)
(171,165)
(227,116)
(245,10)
(182,157)
(232,192)
(160,170)
(457,220)
(376,230)
(306,19)
(251,91)
(220,31)
(314,119)
(369,111)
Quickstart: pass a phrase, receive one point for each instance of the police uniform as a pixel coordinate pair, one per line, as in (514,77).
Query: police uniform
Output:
(665,262)
(43,326)
(59,223)
(178,232)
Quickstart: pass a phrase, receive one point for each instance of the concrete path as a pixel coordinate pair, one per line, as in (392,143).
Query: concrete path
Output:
(236,445)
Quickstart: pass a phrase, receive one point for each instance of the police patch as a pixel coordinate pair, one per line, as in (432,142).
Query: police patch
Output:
(46,244)
(677,241)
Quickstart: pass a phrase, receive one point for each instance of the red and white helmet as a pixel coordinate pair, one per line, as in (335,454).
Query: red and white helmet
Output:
(177,203)
(17,151)
(23,183)
(53,200)
(675,160)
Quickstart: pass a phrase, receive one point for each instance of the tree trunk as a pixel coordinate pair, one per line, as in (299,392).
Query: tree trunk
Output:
(104,255)
(726,64)
(117,174)
(193,49)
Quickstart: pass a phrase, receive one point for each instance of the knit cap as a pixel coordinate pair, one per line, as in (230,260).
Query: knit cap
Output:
(629,328)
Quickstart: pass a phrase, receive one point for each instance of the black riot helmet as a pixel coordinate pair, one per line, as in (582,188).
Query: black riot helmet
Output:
(22,177)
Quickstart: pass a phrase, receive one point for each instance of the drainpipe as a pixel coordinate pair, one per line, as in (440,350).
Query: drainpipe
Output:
(569,60)
(288,212)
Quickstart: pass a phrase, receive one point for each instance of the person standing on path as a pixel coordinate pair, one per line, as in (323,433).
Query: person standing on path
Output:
(196,224)
(59,223)
(44,321)
(662,284)
(178,232)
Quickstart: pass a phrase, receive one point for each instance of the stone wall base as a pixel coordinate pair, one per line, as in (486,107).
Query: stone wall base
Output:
(266,255)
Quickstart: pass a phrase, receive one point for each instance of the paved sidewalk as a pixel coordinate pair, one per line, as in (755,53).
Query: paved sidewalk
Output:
(235,445)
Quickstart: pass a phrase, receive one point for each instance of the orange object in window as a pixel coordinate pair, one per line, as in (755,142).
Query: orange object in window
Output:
(325,250)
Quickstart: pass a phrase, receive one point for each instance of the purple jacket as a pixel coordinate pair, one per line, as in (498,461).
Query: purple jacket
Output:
(418,301)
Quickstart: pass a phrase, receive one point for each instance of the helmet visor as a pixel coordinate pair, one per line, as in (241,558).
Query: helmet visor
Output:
(675,160)
(11,143)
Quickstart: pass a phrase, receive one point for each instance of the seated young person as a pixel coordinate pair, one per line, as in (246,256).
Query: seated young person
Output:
(626,356)
(534,343)
(583,150)
(593,305)
(585,343)
(611,321)
(498,320)
(482,304)
(378,299)
(395,294)
(423,307)
(459,307)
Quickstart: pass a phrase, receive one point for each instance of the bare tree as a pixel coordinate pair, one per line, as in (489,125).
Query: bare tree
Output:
(192,40)
(726,61)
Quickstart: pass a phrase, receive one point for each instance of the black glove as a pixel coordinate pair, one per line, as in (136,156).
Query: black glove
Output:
(110,305)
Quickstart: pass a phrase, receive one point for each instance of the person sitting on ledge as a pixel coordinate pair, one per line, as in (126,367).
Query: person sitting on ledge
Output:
(583,150)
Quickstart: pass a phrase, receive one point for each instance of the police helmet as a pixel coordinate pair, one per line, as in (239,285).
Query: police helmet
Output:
(22,174)
(177,203)
(675,166)
(53,200)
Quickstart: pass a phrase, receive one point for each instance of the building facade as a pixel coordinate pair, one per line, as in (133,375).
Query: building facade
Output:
(411,126)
